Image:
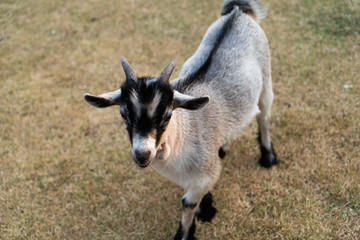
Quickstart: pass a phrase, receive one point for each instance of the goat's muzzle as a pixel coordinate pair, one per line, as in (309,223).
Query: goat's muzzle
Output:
(142,158)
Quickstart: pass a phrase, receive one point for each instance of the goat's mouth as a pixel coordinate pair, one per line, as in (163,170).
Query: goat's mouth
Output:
(143,163)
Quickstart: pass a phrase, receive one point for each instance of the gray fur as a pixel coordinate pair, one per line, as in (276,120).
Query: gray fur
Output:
(238,82)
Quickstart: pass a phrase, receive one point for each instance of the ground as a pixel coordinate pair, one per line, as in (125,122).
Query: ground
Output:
(66,170)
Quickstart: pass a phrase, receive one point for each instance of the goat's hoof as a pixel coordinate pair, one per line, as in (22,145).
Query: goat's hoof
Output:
(269,159)
(191,233)
(206,211)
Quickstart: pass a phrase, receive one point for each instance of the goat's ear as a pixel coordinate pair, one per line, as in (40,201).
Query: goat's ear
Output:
(103,100)
(189,102)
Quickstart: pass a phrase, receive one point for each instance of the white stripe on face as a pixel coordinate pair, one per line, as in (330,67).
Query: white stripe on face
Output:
(151,108)
(135,102)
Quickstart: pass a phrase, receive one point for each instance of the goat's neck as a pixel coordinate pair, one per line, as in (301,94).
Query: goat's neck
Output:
(174,136)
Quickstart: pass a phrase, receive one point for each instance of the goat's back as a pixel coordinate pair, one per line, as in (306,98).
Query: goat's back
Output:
(233,65)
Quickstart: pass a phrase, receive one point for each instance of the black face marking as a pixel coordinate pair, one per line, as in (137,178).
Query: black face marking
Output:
(124,112)
(145,91)
(268,157)
(197,76)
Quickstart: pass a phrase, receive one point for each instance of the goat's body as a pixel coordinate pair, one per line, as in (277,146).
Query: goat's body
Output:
(232,68)
(234,81)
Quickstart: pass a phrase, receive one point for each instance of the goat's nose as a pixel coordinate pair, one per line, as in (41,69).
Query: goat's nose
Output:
(142,155)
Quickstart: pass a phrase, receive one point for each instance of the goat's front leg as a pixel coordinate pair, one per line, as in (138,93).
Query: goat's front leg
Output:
(190,201)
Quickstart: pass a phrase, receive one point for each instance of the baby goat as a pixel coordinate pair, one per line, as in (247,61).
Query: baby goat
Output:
(178,127)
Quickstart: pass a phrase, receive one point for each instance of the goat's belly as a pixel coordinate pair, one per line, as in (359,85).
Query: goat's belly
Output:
(186,178)
(243,122)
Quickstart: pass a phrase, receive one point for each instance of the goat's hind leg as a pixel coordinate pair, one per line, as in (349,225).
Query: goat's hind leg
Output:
(268,155)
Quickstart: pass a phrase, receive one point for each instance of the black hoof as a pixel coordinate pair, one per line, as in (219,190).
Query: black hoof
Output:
(221,153)
(206,211)
(191,234)
(268,158)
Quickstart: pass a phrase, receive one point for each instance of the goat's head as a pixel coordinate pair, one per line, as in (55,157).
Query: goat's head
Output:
(146,105)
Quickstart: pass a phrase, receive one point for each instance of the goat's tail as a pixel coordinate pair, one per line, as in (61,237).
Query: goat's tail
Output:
(251,7)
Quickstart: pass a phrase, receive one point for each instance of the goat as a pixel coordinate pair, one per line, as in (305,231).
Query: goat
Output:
(179,127)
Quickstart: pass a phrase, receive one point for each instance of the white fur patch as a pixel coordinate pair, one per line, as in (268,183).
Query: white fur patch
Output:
(144,144)
(153,105)
(111,95)
(134,98)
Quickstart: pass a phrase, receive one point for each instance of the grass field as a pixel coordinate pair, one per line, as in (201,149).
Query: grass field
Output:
(65,168)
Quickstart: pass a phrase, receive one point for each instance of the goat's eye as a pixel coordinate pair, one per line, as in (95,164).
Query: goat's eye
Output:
(167,117)
(123,115)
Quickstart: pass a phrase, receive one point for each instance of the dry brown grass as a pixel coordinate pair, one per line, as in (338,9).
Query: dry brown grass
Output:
(65,168)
